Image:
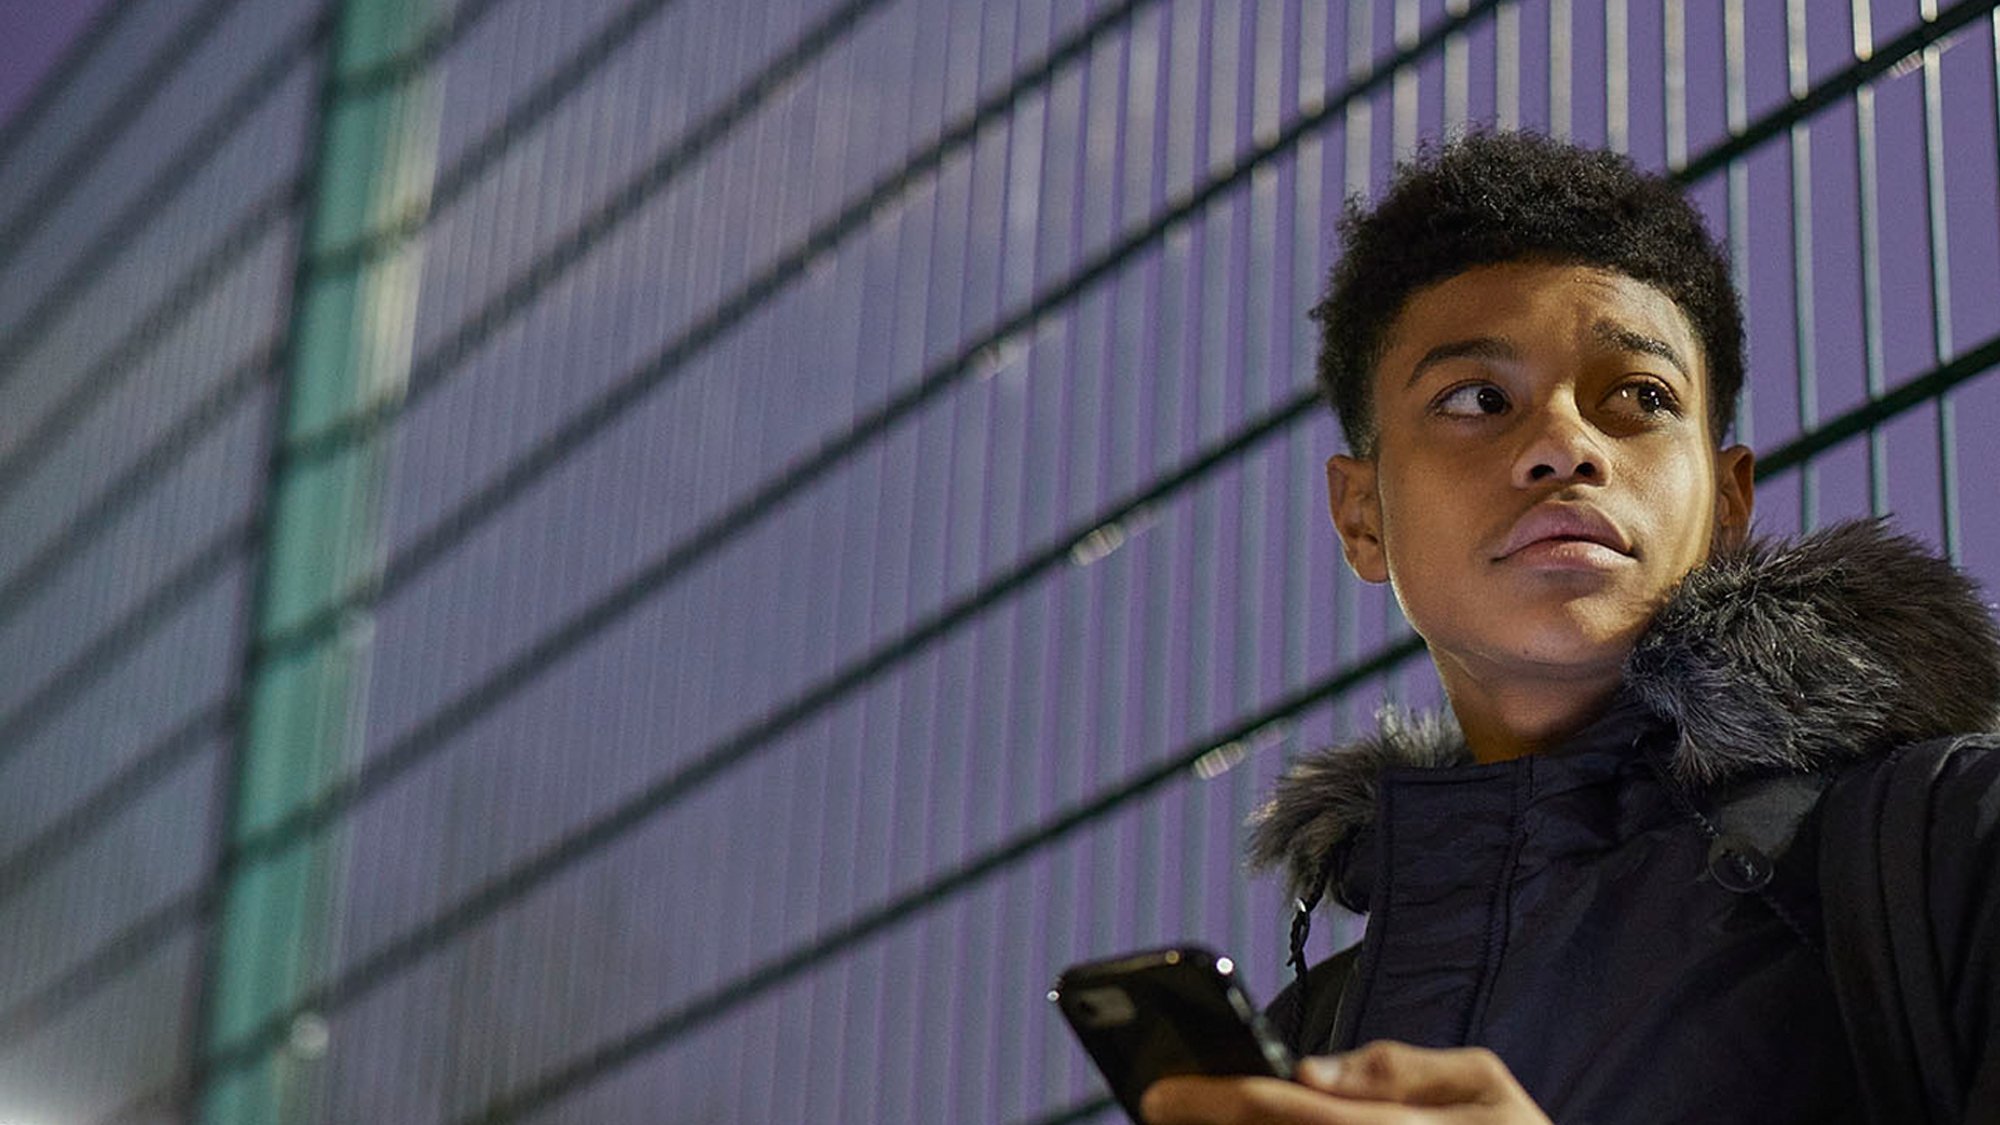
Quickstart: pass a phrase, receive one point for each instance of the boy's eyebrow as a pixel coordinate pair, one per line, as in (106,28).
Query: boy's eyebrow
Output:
(1624,338)
(1478,347)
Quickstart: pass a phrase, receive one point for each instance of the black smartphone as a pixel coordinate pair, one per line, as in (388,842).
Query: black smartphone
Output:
(1147,1015)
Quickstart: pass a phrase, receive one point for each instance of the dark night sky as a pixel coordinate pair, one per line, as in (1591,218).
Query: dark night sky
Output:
(33,35)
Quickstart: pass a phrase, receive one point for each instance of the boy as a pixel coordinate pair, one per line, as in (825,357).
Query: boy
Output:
(1591,889)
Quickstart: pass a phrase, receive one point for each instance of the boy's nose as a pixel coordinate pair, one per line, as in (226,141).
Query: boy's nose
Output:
(1562,447)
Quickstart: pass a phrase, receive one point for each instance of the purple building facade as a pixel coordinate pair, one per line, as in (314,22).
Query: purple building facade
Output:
(844,529)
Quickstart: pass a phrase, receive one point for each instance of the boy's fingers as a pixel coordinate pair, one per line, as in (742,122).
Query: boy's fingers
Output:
(1237,1101)
(1398,1072)
(1382,1083)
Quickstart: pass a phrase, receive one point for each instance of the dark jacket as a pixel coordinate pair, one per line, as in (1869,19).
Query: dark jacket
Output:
(1634,922)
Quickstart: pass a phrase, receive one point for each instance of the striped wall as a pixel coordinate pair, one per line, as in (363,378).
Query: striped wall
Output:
(851,539)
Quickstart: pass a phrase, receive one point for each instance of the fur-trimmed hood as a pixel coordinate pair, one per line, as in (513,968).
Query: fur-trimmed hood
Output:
(1796,656)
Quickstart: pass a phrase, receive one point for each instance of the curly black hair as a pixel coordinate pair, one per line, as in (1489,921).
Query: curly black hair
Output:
(1492,197)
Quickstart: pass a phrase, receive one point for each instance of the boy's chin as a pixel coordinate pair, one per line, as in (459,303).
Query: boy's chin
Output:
(1576,639)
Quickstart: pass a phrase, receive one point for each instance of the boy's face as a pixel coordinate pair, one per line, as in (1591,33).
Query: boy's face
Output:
(1543,470)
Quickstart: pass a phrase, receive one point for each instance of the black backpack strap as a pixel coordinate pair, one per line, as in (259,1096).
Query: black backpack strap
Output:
(1761,844)
(1306,1012)
(1874,882)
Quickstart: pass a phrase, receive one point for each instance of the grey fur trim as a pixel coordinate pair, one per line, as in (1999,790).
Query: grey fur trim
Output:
(1802,656)
(1795,656)
(1323,797)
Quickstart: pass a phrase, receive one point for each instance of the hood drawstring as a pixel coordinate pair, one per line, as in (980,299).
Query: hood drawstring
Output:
(1302,920)
(1303,908)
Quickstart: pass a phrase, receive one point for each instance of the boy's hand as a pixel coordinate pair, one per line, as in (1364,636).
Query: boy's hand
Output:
(1381,1083)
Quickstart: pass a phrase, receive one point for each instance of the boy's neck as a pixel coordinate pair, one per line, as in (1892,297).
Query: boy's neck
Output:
(1509,717)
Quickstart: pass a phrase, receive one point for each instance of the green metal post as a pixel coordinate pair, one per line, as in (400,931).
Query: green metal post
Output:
(349,349)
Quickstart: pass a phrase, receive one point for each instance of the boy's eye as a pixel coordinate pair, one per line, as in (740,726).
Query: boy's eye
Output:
(1472,400)
(1644,397)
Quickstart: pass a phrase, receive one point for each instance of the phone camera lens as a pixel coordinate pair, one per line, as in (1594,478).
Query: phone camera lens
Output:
(1104,1007)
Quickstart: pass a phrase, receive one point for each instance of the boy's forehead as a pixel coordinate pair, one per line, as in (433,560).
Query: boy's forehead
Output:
(1604,308)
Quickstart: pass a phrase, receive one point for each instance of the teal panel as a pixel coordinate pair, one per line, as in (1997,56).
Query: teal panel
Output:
(349,351)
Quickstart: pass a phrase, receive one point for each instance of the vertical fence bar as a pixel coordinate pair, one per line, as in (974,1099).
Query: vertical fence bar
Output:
(350,346)
(1868,204)
(1155,694)
(1803,331)
(912,743)
(1407,83)
(1457,74)
(1077,634)
(1044,418)
(1192,617)
(1274,573)
(1110,612)
(1310,632)
(771,1082)
(877,768)
(1934,199)
(1736,99)
(1617,76)
(1409,28)
(1562,69)
(934,1091)
(1360,112)
(971,451)
(878,138)
(1358,162)
(1673,51)
(1236,615)
(983,799)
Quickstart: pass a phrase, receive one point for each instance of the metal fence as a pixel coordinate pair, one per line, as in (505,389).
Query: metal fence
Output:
(653,560)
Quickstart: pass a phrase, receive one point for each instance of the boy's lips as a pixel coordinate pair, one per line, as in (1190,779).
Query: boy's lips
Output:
(1563,523)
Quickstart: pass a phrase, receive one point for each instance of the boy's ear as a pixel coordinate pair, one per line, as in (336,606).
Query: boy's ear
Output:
(1735,496)
(1357,515)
